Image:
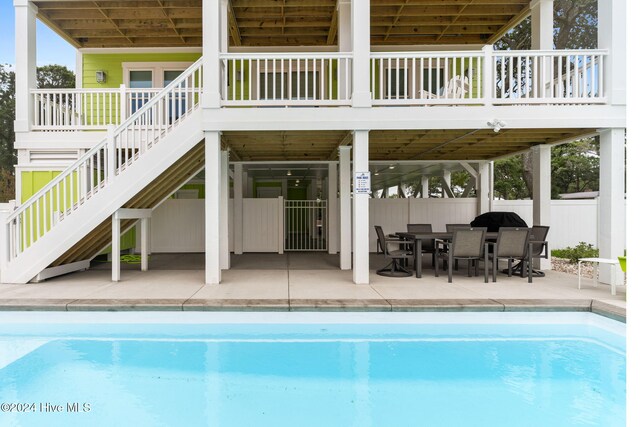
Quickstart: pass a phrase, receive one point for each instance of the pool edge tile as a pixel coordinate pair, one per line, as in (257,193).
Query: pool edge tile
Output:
(339,305)
(126,305)
(236,305)
(35,304)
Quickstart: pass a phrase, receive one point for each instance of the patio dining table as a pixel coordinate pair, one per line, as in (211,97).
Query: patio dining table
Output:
(418,238)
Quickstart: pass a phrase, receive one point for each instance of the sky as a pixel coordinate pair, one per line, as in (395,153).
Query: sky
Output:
(51,48)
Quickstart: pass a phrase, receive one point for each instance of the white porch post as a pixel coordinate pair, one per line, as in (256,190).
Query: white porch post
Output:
(144,244)
(25,63)
(344,41)
(542,193)
(360,210)
(211,46)
(542,37)
(115,248)
(225,261)
(446,184)
(611,229)
(541,24)
(212,207)
(361,44)
(345,208)
(611,36)
(425,186)
(238,187)
(332,215)
(483,193)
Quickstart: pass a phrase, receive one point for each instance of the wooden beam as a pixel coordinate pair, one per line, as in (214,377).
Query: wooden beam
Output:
(173,25)
(333,28)
(233,25)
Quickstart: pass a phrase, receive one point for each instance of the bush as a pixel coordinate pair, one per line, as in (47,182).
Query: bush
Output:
(582,250)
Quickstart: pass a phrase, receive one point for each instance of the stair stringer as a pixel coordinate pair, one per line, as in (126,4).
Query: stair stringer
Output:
(103,204)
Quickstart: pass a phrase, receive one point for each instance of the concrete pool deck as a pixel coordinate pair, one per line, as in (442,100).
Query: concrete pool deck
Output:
(302,282)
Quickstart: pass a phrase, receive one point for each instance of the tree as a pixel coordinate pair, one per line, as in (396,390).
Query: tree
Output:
(575,27)
(55,77)
(48,77)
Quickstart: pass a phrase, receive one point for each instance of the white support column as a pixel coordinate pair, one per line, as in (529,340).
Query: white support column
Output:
(361,45)
(115,248)
(541,24)
(491,185)
(238,186)
(144,244)
(212,207)
(542,193)
(332,209)
(211,45)
(425,186)
(345,208)
(612,218)
(542,37)
(225,260)
(612,36)
(360,219)
(4,242)
(344,41)
(483,193)
(25,63)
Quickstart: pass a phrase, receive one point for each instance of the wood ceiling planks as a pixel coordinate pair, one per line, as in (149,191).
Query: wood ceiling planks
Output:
(435,144)
(167,23)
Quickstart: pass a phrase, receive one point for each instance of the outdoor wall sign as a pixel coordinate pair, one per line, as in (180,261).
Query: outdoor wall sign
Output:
(363,183)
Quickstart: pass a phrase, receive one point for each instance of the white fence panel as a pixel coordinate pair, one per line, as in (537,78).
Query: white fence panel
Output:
(262,225)
(439,212)
(177,225)
(391,214)
(524,208)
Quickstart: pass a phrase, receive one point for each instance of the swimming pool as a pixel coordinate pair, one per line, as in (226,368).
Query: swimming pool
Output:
(326,369)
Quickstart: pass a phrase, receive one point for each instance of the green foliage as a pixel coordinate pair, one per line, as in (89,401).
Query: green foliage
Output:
(582,250)
(575,167)
(509,180)
(55,77)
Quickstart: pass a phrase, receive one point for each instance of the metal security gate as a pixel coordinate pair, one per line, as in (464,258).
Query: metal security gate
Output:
(305,225)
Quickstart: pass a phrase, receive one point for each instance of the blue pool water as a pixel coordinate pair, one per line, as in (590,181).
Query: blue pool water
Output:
(447,369)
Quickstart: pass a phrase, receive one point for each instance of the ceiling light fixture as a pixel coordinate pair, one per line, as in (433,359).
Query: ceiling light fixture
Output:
(288,173)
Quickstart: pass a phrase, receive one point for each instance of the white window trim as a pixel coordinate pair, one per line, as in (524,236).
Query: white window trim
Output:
(157,70)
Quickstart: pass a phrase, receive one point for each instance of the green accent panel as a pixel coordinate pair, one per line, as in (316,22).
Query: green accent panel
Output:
(112,64)
(199,187)
(297,193)
(257,184)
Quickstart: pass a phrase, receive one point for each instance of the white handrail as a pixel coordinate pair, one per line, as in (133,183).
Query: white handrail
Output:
(98,167)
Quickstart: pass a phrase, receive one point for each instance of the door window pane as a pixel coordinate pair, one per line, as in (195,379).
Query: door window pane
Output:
(397,86)
(140,79)
(266,85)
(437,80)
(170,76)
(306,90)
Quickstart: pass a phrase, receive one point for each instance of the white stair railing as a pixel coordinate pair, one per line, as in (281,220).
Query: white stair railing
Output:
(97,168)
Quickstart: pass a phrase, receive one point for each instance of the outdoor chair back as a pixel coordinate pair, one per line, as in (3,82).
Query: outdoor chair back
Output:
(467,243)
(512,244)
(451,227)
(428,246)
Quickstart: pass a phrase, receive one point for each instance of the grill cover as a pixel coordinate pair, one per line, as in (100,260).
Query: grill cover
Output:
(494,220)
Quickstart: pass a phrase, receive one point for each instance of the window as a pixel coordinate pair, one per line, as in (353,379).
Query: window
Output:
(435,76)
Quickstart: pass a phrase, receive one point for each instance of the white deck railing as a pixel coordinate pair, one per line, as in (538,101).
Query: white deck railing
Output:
(86,109)
(325,79)
(552,76)
(426,78)
(98,167)
(295,79)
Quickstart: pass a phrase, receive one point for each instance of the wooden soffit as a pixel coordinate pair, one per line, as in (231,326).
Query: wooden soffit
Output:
(176,23)
(390,145)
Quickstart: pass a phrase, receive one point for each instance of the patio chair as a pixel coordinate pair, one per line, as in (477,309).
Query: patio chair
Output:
(428,246)
(512,244)
(450,228)
(466,244)
(456,88)
(394,268)
(539,248)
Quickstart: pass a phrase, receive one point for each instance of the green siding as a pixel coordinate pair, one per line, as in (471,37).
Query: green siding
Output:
(112,64)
